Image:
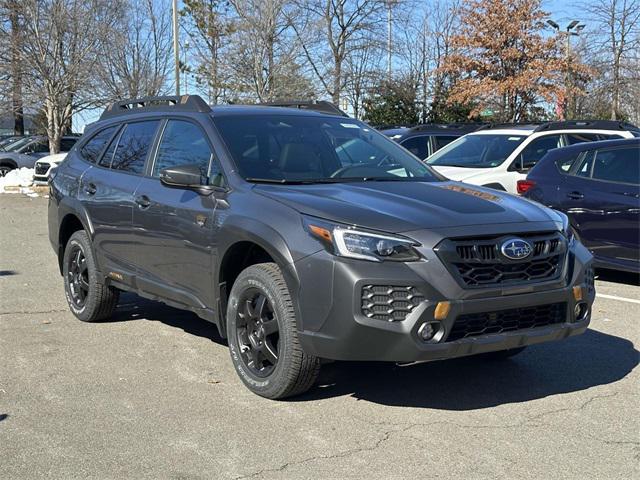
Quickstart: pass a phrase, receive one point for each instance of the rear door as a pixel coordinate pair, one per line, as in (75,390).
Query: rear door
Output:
(174,227)
(602,196)
(106,192)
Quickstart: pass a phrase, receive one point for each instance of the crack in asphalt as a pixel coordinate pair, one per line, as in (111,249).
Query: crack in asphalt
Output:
(408,426)
(34,313)
(345,453)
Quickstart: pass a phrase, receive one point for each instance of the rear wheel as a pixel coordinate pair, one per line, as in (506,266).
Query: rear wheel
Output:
(89,299)
(263,336)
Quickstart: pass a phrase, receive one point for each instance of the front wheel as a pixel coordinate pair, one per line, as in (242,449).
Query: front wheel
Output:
(263,336)
(4,169)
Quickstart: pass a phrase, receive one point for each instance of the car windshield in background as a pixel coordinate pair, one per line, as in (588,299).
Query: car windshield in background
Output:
(309,149)
(476,151)
(13,146)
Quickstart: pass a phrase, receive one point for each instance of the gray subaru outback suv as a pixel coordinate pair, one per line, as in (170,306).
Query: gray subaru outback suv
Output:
(306,236)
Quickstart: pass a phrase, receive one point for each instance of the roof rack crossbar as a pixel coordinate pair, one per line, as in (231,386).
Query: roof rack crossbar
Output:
(184,103)
(316,105)
(594,124)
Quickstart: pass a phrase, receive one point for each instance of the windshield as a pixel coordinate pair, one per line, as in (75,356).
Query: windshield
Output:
(310,149)
(477,151)
(15,144)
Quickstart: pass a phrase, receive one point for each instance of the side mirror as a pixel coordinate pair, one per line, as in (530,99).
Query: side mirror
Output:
(186,176)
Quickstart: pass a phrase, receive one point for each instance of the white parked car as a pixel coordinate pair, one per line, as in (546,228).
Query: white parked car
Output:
(45,165)
(498,156)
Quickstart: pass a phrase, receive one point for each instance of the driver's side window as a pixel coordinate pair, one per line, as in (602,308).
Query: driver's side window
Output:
(537,149)
(183,143)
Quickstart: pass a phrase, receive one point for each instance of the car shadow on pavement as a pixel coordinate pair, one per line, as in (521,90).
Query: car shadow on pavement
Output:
(133,307)
(575,364)
(616,276)
(3,416)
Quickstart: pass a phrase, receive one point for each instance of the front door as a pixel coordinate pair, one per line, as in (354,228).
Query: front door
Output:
(175,227)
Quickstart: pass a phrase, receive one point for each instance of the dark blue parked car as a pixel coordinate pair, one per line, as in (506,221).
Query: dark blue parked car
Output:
(597,185)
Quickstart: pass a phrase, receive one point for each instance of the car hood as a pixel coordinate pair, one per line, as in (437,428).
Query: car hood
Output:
(55,158)
(459,173)
(405,206)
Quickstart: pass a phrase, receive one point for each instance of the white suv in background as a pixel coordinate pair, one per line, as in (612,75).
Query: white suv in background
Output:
(497,156)
(45,165)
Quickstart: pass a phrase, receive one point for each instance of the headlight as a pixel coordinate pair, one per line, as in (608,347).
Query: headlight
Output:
(564,225)
(353,243)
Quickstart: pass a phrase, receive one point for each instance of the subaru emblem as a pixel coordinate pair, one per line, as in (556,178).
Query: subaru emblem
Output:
(516,249)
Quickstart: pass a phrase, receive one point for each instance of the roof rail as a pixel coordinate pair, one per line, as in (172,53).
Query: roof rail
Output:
(595,124)
(489,126)
(315,105)
(184,103)
(471,126)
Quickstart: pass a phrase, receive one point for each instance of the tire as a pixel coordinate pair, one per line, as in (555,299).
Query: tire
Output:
(501,354)
(253,343)
(98,301)
(4,169)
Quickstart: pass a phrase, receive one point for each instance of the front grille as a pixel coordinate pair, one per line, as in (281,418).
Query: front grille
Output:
(523,318)
(42,168)
(391,303)
(478,262)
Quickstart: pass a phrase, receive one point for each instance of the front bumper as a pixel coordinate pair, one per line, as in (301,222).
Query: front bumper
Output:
(333,325)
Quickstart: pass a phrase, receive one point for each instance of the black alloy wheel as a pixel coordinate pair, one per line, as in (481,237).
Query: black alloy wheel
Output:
(4,169)
(257,333)
(78,274)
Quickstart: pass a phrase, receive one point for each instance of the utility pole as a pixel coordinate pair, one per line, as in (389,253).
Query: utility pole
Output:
(390,5)
(176,53)
(568,33)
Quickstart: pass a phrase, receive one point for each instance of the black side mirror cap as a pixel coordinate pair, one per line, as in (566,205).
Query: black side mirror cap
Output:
(186,176)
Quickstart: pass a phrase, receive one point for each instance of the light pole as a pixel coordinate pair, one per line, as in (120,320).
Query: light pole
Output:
(185,68)
(390,5)
(176,53)
(568,33)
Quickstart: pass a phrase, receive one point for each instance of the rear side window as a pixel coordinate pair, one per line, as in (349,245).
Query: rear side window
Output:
(67,144)
(183,143)
(133,146)
(418,146)
(442,140)
(565,163)
(91,150)
(537,149)
(573,138)
(620,165)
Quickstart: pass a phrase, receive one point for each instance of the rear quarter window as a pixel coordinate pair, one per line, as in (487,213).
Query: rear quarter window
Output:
(91,150)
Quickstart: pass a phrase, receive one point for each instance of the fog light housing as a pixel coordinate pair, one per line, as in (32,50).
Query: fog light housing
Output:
(431,332)
(580,311)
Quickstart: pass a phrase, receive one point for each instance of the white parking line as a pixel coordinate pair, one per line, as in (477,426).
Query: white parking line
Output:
(613,297)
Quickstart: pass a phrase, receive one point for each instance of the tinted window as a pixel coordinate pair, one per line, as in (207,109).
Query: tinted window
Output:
(67,144)
(91,150)
(442,140)
(419,146)
(583,168)
(617,165)
(477,151)
(183,143)
(40,147)
(537,149)
(565,163)
(315,148)
(573,138)
(133,146)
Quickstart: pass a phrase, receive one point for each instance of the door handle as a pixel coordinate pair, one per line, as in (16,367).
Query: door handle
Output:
(143,201)
(90,188)
(575,196)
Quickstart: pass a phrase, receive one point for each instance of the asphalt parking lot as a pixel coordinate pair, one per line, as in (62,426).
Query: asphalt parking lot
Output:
(152,394)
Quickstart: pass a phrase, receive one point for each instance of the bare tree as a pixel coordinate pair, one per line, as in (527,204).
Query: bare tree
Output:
(620,19)
(264,52)
(336,24)
(11,62)
(63,43)
(138,62)
(208,26)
